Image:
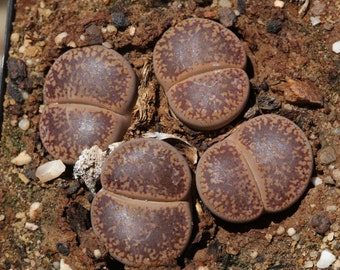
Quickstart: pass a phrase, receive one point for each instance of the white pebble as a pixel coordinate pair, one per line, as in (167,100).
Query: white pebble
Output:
(59,38)
(22,159)
(132,31)
(111,28)
(64,266)
(50,170)
(97,254)
(2,217)
(71,44)
(31,226)
(107,45)
(316,181)
(35,210)
(336,46)
(315,20)
(326,259)
(291,231)
(279,4)
(330,236)
(24,124)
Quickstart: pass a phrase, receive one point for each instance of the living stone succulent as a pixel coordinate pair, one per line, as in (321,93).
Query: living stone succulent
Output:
(200,65)
(89,93)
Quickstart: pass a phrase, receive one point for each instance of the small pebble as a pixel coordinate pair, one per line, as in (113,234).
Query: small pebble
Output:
(316,181)
(20,215)
(2,217)
(35,211)
(107,45)
(227,17)
(22,159)
(318,8)
(24,178)
(279,4)
(336,46)
(225,3)
(315,20)
(336,174)
(320,223)
(326,259)
(327,155)
(15,93)
(314,254)
(120,20)
(111,28)
(132,31)
(291,231)
(308,264)
(15,37)
(331,208)
(97,254)
(31,226)
(254,254)
(328,26)
(24,124)
(329,180)
(56,265)
(63,248)
(296,237)
(64,266)
(303,92)
(269,237)
(336,131)
(280,230)
(274,26)
(50,170)
(17,69)
(59,38)
(330,236)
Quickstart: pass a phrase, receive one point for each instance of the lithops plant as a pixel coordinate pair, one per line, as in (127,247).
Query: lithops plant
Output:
(264,166)
(141,213)
(89,93)
(200,63)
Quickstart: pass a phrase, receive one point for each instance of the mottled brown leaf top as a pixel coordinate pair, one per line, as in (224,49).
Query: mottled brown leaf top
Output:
(141,213)
(89,93)
(265,165)
(199,64)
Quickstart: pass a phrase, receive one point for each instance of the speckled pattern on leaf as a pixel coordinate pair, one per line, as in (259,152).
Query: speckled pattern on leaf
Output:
(265,165)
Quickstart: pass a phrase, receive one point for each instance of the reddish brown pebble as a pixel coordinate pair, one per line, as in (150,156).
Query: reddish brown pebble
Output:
(89,93)
(141,213)
(264,166)
(303,93)
(200,65)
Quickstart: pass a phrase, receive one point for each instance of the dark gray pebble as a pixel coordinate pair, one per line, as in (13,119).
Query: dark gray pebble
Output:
(120,20)
(274,26)
(321,223)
